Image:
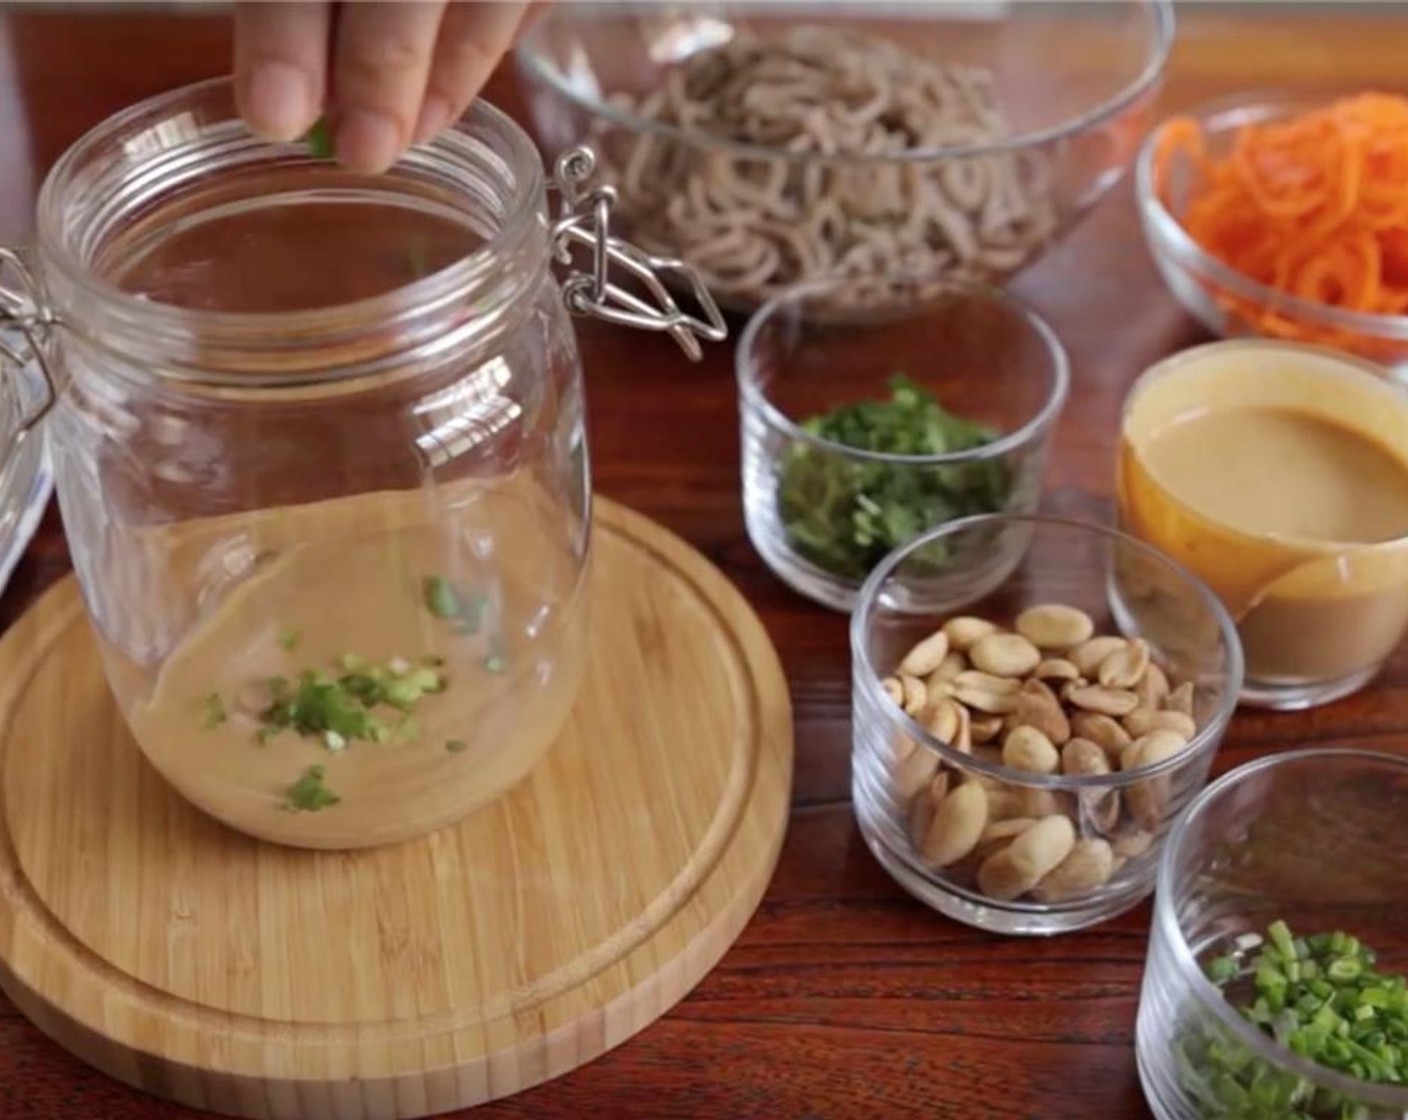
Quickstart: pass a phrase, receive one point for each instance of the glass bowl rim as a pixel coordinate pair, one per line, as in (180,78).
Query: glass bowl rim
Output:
(1166,921)
(1205,742)
(479,263)
(1059,373)
(1161,38)
(1374,376)
(1170,241)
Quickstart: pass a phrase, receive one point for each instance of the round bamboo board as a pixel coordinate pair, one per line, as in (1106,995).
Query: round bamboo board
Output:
(254,980)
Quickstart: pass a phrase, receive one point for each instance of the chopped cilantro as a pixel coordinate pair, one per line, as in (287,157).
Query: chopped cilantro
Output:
(309,794)
(214,711)
(440,598)
(845,514)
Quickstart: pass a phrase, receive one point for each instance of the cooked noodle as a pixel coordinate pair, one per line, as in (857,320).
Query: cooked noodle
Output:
(754,225)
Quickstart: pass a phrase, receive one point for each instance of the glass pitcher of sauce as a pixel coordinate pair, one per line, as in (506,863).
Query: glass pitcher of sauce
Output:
(320,455)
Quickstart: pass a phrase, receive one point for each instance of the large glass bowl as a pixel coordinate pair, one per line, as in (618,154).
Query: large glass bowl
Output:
(994,568)
(1075,82)
(1313,838)
(1227,302)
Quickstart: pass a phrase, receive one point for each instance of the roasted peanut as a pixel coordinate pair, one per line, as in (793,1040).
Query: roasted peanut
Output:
(1032,802)
(1026,748)
(1096,698)
(1043,846)
(985,692)
(949,723)
(1132,844)
(1141,721)
(926,656)
(916,696)
(915,771)
(1103,731)
(1181,699)
(921,809)
(1081,756)
(1087,656)
(1054,626)
(963,631)
(1039,707)
(1152,689)
(985,728)
(998,832)
(1147,801)
(1086,868)
(1004,655)
(1017,868)
(952,664)
(1151,749)
(1125,667)
(958,822)
(1000,878)
(1056,669)
(894,690)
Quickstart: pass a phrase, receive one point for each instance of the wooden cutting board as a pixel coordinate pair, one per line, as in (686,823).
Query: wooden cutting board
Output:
(195,963)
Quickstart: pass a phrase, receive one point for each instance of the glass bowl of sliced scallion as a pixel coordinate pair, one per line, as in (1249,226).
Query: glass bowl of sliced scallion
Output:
(858,437)
(1277,979)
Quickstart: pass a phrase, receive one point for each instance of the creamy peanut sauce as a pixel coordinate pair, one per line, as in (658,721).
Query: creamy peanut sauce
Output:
(1281,478)
(347,576)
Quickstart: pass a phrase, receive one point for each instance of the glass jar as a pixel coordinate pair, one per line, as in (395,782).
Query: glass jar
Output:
(321,459)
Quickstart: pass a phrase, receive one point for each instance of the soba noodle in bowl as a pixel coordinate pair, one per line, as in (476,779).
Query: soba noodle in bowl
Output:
(753,224)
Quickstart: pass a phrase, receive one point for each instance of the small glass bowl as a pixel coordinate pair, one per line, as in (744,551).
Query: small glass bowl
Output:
(822,514)
(1310,837)
(1230,303)
(995,567)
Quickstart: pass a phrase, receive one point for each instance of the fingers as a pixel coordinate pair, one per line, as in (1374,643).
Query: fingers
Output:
(473,37)
(381,62)
(281,66)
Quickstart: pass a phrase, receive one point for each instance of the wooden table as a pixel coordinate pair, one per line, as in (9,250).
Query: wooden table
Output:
(844,998)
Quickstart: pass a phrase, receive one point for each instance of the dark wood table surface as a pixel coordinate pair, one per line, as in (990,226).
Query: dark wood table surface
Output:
(843,998)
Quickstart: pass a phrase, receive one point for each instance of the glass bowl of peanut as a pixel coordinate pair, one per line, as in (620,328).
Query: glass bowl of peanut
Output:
(1026,730)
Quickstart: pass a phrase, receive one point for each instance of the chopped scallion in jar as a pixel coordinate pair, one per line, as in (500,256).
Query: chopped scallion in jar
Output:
(309,793)
(215,713)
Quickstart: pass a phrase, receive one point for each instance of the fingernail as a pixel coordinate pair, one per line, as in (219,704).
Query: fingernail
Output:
(277,107)
(434,115)
(367,141)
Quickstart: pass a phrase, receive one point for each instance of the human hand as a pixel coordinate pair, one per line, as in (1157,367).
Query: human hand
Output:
(385,75)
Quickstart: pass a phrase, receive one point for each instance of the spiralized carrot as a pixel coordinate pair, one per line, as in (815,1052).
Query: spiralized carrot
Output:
(1315,206)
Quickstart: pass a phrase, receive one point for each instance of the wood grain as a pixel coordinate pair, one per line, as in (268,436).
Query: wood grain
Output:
(843,998)
(404,980)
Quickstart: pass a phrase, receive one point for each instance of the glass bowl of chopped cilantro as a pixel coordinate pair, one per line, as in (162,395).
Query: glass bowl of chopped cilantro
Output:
(857,437)
(1277,980)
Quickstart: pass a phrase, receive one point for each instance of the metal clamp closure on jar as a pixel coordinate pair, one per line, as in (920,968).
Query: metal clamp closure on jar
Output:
(583,219)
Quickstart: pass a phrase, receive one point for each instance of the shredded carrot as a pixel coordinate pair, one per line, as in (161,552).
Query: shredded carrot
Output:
(1315,206)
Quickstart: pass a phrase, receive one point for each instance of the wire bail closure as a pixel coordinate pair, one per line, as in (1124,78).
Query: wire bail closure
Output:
(584,218)
(22,311)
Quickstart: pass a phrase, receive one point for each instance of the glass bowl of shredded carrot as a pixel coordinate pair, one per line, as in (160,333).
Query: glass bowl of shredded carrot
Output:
(1285,217)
